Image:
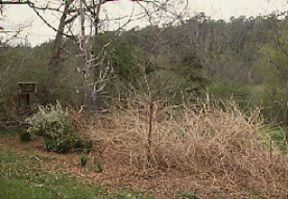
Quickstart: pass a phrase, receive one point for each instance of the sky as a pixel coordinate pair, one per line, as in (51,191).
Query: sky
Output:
(36,32)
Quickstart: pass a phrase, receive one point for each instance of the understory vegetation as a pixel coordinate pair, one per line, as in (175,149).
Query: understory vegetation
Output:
(200,151)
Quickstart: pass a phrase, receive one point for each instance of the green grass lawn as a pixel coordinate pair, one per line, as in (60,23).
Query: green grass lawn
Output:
(26,176)
(6,132)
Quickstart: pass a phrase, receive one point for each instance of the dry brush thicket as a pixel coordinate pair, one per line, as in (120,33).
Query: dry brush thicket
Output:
(206,150)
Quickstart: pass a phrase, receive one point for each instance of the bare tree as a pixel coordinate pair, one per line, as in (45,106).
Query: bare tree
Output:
(89,13)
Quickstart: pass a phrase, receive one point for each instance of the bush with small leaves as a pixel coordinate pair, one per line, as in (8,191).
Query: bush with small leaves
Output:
(53,123)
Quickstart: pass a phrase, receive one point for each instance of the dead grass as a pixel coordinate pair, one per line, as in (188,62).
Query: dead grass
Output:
(208,151)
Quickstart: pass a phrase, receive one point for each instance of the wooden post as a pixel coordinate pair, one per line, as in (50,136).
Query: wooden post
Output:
(25,89)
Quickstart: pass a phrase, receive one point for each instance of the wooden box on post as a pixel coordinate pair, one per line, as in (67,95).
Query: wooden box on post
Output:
(25,89)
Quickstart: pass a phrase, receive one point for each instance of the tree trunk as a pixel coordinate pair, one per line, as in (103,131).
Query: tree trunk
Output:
(83,48)
(54,67)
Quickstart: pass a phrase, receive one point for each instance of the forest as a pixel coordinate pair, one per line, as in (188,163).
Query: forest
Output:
(196,108)
(243,59)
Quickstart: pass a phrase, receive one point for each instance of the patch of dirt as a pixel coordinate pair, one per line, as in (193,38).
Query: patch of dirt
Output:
(15,143)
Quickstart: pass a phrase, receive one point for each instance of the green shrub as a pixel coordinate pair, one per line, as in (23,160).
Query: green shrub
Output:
(84,160)
(97,166)
(53,123)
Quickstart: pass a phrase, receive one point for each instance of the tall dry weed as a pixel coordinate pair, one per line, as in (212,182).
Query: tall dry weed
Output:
(221,153)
